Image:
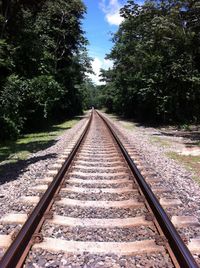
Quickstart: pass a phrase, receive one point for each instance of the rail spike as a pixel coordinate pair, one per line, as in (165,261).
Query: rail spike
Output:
(37,238)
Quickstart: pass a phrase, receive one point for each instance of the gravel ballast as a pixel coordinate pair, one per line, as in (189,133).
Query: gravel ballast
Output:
(37,166)
(171,174)
(161,172)
(62,260)
(99,213)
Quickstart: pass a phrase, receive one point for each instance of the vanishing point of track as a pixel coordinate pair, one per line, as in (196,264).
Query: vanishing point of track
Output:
(97,192)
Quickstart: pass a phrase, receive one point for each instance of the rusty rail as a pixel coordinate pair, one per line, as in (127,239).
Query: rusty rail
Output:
(16,253)
(180,250)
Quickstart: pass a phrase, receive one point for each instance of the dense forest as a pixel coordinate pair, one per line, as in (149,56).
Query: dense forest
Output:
(43,62)
(156,55)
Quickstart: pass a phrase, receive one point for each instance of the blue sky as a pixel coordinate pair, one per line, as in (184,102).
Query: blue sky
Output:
(101,20)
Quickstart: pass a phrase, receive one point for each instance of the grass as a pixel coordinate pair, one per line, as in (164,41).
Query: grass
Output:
(124,122)
(192,163)
(160,141)
(14,151)
(113,116)
(128,125)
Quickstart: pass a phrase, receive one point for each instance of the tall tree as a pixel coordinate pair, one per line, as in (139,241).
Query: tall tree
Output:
(43,61)
(156,61)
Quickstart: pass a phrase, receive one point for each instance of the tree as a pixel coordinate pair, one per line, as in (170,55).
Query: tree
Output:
(156,62)
(43,61)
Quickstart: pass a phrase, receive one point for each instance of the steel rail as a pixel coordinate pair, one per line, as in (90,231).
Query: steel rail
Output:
(180,250)
(14,253)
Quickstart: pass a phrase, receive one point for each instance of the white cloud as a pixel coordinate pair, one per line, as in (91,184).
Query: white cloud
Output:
(114,19)
(140,2)
(107,64)
(111,9)
(98,64)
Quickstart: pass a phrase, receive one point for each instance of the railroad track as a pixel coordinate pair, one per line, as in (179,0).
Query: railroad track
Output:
(97,211)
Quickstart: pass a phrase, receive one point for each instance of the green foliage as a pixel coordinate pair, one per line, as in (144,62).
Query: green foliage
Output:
(12,151)
(43,61)
(92,95)
(9,130)
(12,97)
(49,94)
(156,74)
(5,56)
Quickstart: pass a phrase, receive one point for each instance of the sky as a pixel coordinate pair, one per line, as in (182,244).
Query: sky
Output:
(102,19)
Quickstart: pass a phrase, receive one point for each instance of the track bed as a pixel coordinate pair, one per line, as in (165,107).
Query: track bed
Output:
(99,216)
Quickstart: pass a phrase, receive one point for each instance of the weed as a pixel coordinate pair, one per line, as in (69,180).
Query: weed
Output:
(13,151)
(160,141)
(192,163)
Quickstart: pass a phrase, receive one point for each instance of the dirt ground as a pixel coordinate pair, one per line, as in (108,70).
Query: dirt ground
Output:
(180,144)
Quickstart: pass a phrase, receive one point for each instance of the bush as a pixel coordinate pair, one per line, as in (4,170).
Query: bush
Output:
(46,91)
(12,97)
(27,104)
(9,130)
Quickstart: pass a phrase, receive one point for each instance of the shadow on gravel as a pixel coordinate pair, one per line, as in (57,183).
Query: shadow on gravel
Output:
(192,135)
(14,154)
(11,171)
(10,152)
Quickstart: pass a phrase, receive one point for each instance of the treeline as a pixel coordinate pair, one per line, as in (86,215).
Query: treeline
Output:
(156,54)
(43,61)
(92,95)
